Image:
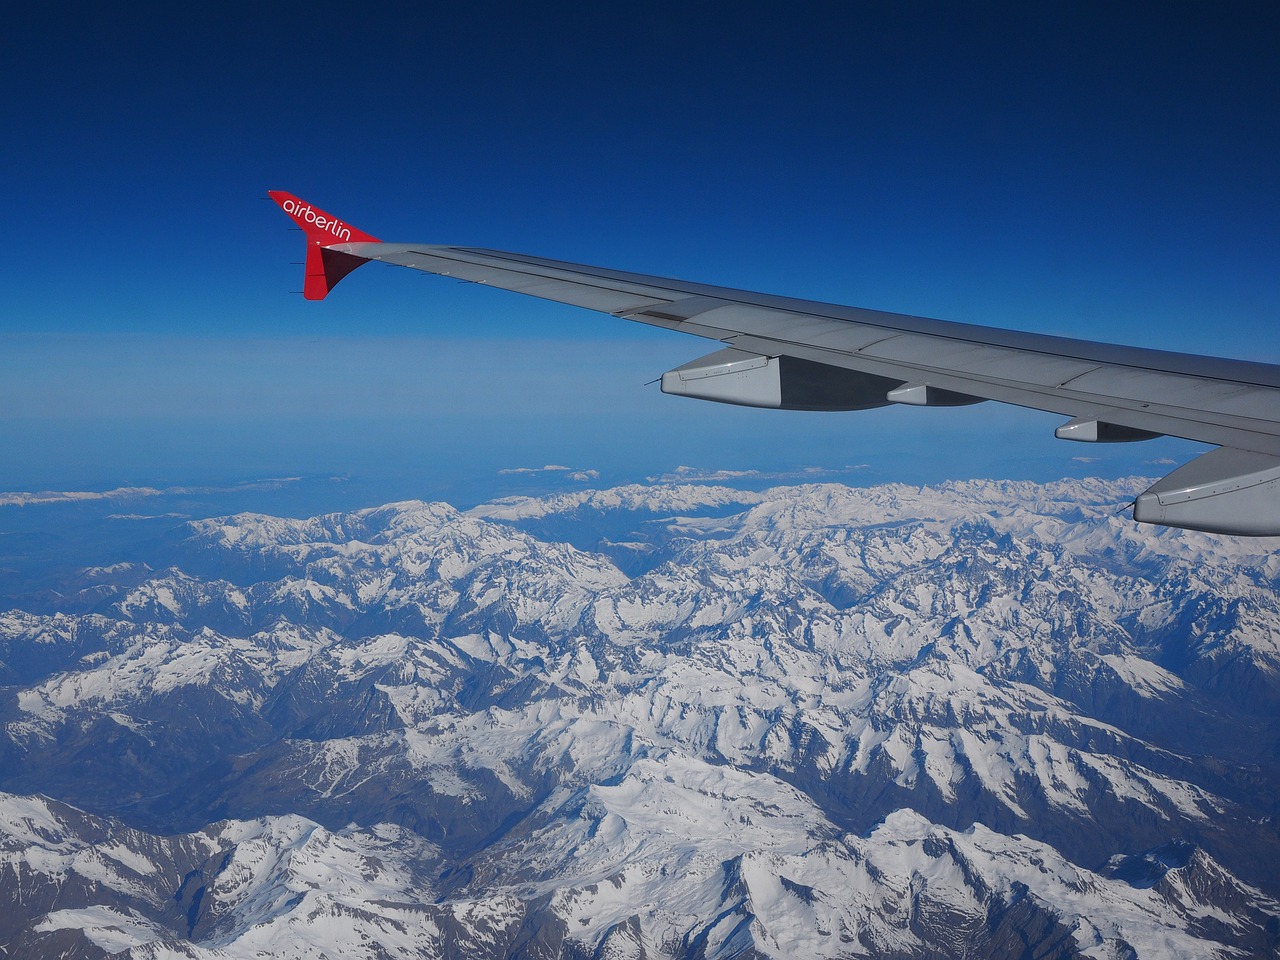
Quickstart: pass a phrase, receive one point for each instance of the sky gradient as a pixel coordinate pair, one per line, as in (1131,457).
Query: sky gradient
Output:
(1069,169)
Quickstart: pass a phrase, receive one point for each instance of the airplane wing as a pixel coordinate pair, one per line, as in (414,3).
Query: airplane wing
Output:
(794,354)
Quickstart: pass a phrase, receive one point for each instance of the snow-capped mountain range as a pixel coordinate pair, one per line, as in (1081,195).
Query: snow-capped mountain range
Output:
(984,719)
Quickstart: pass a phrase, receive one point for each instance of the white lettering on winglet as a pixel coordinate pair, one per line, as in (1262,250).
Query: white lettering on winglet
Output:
(303,212)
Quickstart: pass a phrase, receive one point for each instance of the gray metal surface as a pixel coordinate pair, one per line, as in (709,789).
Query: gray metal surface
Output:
(1230,402)
(1112,392)
(1222,491)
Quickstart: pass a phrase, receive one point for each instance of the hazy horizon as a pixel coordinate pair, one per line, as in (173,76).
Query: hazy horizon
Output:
(1105,177)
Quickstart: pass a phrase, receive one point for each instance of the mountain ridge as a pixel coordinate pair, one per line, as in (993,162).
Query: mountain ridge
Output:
(951,682)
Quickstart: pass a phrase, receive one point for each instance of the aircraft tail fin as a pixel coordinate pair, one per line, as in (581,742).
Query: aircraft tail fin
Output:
(324,266)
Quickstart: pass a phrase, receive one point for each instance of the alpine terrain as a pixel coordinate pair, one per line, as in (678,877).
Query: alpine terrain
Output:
(987,719)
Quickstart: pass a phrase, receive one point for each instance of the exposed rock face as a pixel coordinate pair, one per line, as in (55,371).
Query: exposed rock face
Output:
(653,722)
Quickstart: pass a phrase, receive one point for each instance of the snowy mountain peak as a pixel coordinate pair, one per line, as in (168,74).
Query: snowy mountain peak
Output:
(653,721)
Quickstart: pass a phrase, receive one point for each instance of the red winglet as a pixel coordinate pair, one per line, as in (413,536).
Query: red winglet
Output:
(325,267)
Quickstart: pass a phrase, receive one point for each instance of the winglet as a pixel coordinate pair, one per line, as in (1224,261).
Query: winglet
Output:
(324,267)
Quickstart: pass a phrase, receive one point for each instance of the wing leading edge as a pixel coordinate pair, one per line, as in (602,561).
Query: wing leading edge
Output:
(787,353)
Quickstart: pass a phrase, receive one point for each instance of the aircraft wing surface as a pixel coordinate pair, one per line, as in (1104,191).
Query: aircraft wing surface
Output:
(798,354)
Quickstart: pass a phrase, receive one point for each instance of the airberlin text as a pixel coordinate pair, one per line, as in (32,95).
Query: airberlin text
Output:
(304,213)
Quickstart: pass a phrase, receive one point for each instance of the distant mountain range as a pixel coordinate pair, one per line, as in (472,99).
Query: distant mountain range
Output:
(987,719)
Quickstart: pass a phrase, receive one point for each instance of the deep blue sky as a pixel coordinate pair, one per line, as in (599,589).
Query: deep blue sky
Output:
(1097,170)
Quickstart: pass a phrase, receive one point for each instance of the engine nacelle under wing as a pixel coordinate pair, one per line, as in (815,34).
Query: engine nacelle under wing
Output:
(781,383)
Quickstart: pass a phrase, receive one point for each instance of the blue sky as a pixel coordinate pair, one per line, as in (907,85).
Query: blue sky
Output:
(1102,171)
